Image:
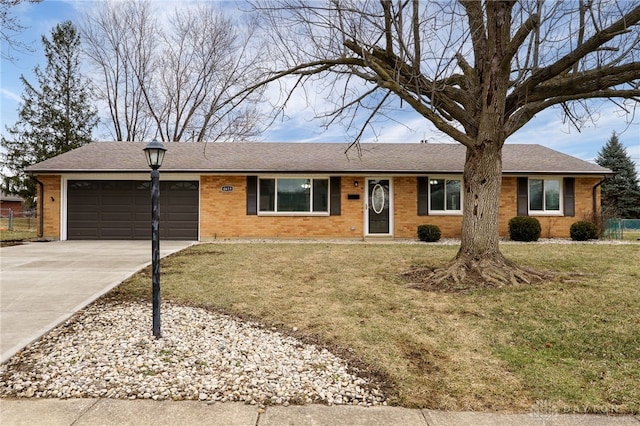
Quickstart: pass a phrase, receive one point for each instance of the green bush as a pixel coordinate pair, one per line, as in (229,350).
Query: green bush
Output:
(428,233)
(583,231)
(524,228)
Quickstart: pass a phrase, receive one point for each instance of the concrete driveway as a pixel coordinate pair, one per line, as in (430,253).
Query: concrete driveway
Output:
(43,284)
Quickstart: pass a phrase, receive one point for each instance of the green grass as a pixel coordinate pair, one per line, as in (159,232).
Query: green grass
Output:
(573,342)
(23,229)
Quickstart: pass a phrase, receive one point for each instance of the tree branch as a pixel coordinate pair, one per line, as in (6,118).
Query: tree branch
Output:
(520,95)
(519,37)
(586,82)
(475,18)
(526,113)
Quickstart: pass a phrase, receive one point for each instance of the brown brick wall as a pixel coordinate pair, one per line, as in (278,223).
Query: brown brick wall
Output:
(559,226)
(552,226)
(223,214)
(407,219)
(51,205)
(508,204)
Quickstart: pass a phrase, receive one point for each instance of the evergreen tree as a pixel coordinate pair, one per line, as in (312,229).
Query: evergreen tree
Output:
(55,116)
(621,192)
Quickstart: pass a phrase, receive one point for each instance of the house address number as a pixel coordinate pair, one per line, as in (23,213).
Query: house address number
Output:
(226,188)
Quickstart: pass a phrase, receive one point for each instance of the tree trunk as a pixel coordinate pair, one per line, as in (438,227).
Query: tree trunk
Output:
(482,180)
(479,262)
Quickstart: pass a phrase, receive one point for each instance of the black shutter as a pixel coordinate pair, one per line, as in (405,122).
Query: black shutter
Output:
(523,196)
(423,196)
(252,195)
(569,197)
(334,188)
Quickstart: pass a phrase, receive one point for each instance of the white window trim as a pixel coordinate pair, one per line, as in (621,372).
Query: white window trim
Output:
(544,212)
(446,212)
(307,213)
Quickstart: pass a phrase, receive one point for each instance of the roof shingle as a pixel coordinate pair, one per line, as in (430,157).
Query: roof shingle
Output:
(263,157)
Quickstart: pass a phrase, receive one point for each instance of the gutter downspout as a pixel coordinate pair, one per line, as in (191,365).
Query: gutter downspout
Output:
(40,208)
(593,198)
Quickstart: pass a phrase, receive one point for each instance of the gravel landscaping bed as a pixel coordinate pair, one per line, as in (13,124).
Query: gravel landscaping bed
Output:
(107,351)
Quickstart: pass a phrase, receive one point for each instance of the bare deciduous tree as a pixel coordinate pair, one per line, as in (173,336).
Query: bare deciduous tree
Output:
(203,63)
(10,28)
(119,39)
(174,81)
(477,70)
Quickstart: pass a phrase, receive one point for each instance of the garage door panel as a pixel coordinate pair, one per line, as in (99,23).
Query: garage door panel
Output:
(116,233)
(182,186)
(84,185)
(88,202)
(86,216)
(116,185)
(93,209)
(85,223)
(86,199)
(84,233)
(122,210)
(122,204)
(178,198)
(178,216)
(141,208)
(115,219)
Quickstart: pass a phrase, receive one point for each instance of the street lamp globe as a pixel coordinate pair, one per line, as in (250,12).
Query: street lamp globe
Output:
(154,152)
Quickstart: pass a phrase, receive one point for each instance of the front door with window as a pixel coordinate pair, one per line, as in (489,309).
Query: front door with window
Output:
(378,206)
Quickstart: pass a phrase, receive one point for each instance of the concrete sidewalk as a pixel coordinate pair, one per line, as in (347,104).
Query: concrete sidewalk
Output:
(81,412)
(43,284)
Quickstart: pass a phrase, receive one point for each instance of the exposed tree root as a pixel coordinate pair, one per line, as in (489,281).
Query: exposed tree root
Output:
(466,274)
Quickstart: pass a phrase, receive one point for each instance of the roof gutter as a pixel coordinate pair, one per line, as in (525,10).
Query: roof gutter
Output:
(310,171)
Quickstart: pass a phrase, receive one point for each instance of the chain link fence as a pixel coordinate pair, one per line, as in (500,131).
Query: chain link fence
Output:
(18,221)
(622,229)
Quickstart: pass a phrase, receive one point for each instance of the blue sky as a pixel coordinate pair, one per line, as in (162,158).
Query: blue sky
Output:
(547,128)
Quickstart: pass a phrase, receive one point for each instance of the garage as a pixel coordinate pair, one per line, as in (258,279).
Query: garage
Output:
(121,210)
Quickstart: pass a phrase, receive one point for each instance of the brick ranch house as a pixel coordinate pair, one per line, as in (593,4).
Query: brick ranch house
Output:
(299,190)
(10,202)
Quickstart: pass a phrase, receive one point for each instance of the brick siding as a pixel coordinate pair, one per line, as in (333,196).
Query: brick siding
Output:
(51,206)
(223,214)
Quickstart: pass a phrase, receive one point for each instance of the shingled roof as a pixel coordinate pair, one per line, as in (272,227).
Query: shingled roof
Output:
(10,198)
(263,157)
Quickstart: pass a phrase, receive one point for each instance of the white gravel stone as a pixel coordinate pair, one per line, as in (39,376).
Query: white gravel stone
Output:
(107,350)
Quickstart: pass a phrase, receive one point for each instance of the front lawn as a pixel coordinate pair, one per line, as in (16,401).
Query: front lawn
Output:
(572,344)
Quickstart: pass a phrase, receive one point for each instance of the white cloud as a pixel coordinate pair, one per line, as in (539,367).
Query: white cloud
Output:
(6,93)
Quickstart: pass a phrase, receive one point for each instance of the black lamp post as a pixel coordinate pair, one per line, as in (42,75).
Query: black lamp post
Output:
(154,152)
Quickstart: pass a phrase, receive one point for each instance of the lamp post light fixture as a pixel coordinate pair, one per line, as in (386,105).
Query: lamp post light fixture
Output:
(154,152)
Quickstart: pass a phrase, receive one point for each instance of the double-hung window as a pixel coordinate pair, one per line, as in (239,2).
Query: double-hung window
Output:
(293,195)
(545,195)
(445,195)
